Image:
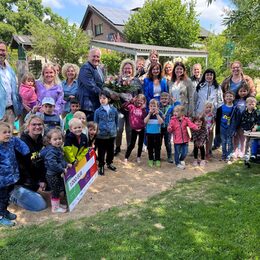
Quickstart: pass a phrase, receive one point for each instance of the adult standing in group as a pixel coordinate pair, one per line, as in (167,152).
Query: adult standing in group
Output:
(167,71)
(48,86)
(70,73)
(196,75)
(32,170)
(90,83)
(10,105)
(126,77)
(181,87)
(234,81)
(154,84)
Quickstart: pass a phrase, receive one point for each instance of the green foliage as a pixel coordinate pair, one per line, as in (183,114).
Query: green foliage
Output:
(164,22)
(215,216)
(16,14)
(112,61)
(59,41)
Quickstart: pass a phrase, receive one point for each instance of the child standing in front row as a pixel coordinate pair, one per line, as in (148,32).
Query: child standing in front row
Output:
(9,172)
(200,137)
(153,123)
(210,124)
(82,117)
(167,111)
(227,122)
(55,166)
(239,138)
(137,113)
(178,126)
(107,119)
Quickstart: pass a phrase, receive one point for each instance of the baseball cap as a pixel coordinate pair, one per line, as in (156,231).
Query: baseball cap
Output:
(48,100)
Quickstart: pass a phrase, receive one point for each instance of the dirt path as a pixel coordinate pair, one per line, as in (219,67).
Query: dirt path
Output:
(131,183)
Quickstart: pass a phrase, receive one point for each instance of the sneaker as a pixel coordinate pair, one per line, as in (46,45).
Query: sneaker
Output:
(202,163)
(111,167)
(170,160)
(150,163)
(125,160)
(63,206)
(182,163)
(138,160)
(180,166)
(144,148)
(58,210)
(158,163)
(6,222)
(195,163)
(10,216)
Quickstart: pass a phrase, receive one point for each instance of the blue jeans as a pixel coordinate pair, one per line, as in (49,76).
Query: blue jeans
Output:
(27,199)
(180,152)
(227,144)
(255,147)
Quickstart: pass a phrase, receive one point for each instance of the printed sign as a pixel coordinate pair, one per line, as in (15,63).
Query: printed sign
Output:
(78,179)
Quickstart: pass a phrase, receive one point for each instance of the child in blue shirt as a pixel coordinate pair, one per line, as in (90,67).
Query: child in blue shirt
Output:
(227,122)
(153,123)
(9,172)
(167,112)
(106,117)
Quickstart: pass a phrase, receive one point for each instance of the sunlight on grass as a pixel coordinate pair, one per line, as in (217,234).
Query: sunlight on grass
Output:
(215,216)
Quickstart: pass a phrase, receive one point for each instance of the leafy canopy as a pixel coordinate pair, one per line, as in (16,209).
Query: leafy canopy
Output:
(164,22)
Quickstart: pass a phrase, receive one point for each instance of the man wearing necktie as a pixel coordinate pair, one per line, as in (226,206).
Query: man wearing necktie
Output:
(90,83)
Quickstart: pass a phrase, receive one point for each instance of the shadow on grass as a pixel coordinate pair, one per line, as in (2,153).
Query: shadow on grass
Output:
(213,216)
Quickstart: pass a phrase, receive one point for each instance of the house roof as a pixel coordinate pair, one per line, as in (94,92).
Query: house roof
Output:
(23,40)
(118,17)
(144,49)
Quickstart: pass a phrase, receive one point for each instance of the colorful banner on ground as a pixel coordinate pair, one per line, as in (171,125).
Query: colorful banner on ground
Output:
(78,179)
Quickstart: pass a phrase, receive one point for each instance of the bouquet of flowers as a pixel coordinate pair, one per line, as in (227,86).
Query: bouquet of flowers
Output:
(120,88)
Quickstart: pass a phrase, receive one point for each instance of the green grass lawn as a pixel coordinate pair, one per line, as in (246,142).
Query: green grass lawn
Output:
(215,216)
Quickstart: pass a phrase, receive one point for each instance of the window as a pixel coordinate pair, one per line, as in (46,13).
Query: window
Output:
(98,29)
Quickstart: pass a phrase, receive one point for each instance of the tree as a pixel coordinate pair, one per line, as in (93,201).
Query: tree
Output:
(59,41)
(164,22)
(15,15)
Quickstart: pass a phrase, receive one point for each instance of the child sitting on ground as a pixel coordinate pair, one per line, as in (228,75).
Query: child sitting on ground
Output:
(199,137)
(55,166)
(106,117)
(76,143)
(92,133)
(9,172)
(137,113)
(74,107)
(178,126)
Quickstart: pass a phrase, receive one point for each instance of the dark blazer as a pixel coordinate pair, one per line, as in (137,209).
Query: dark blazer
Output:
(90,83)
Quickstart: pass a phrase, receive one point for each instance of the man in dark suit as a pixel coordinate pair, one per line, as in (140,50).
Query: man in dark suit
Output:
(90,83)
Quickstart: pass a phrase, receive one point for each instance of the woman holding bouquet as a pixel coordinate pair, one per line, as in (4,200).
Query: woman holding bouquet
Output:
(131,87)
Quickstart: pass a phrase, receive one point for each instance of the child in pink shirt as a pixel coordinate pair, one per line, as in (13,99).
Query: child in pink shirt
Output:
(137,113)
(27,91)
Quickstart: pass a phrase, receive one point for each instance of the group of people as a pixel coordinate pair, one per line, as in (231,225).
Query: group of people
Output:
(61,120)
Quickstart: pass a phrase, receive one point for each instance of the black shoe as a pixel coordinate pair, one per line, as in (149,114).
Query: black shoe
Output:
(111,167)
(10,216)
(101,171)
(117,151)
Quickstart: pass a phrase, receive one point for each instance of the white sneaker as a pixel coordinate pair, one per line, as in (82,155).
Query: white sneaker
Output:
(182,163)
(144,148)
(202,163)
(138,160)
(180,166)
(125,161)
(195,163)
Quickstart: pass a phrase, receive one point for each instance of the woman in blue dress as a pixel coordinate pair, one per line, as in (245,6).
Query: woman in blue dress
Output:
(70,85)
